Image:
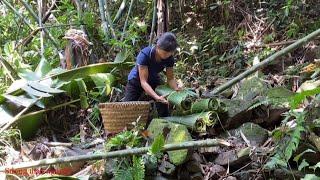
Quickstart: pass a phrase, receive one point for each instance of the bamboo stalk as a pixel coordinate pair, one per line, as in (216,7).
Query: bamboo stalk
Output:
(121,153)
(265,62)
(126,22)
(33,14)
(40,25)
(103,18)
(110,21)
(154,21)
(120,11)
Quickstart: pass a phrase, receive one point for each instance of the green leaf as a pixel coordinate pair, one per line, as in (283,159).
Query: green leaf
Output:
(88,70)
(27,74)
(123,174)
(30,123)
(16,85)
(8,68)
(82,85)
(71,88)
(121,56)
(138,168)
(5,114)
(20,100)
(43,68)
(101,79)
(157,144)
(44,88)
(1,98)
(298,98)
(297,158)
(9,48)
(34,92)
(303,164)
(84,100)
(104,82)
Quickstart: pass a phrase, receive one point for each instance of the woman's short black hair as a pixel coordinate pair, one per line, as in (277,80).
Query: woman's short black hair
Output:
(168,42)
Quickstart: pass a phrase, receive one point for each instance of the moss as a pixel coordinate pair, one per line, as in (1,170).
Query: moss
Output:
(250,88)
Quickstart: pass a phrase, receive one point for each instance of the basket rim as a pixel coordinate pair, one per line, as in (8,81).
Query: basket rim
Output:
(126,102)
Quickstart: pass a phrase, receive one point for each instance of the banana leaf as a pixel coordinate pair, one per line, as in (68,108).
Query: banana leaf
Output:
(164,90)
(19,100)
(5,114)
(44,88)
(179,112)
(210,104)
(181,99)
(89,70)
(193,122)
(210,118)
(196,122)
(29,124)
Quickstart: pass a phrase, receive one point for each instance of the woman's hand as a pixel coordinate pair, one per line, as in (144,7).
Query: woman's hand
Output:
(162,99)
(178,89)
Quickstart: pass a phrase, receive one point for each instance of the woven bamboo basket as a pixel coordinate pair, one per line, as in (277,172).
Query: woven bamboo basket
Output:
(118,115)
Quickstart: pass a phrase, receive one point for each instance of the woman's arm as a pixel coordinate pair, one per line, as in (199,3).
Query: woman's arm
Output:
(171,80)
(143,75)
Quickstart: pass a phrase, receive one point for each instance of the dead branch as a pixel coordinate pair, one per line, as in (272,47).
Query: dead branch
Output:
(121,153)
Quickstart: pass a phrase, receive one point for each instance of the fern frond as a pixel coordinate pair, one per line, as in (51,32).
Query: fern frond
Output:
(137,169)
(289,143)
(123,174)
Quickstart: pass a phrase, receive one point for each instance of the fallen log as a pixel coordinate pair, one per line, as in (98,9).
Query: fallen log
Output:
(121,153)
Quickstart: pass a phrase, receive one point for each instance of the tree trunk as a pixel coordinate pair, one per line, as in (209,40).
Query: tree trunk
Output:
(163,17)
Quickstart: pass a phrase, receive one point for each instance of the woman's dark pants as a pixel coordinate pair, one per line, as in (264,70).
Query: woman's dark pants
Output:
(134,91)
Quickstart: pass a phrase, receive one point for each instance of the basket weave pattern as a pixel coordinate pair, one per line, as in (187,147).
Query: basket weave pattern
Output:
(118,115)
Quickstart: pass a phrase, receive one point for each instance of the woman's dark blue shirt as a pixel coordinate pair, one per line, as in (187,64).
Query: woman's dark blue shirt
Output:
(146,57)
